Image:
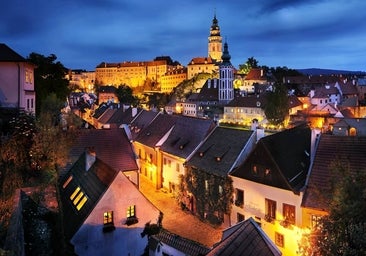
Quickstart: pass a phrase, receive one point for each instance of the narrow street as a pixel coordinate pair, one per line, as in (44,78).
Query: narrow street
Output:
(177,221)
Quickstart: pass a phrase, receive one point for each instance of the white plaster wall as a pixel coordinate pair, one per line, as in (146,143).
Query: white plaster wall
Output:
(124,240)
(254,206)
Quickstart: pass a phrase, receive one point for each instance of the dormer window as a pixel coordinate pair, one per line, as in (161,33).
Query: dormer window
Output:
(78,198)
(67,181)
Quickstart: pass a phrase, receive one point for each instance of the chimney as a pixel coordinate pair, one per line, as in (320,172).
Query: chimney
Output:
(134,112)
(90,157)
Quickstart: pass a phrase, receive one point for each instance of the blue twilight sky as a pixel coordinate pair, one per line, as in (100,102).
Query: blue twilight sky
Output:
(293,33)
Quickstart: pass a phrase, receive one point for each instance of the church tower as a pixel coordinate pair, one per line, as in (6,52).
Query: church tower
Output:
(226,73)
(215,41)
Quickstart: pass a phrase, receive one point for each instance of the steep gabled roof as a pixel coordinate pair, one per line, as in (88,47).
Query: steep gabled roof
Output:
(111,145)
(92,183)
(219,152)
(9,55)
(285,154)
(201,61)
(152,133)
(124,116)
(348,88)
(251,101)
(184,245)
(186,135)
(294,101)
(142,121)
(349,150)
(209,91)
(256,74)
(245,238)
(103,119)
(326,91)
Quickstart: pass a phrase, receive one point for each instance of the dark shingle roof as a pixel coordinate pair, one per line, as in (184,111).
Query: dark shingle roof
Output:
(111,145)
(286,153)
(9,55)
(209,91)
(256,101)
(245,238)
(93,183)
(142,121)
(184,245)
(152,133)
(124,116)
(220,151)
(186,135)
(350,150)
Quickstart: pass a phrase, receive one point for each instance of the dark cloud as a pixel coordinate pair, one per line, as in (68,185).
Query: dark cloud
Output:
(293,33)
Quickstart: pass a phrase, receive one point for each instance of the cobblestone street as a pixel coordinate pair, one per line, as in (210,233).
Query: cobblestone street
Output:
(177,221)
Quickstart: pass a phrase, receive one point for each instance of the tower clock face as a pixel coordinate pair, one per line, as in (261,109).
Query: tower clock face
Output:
(237,83)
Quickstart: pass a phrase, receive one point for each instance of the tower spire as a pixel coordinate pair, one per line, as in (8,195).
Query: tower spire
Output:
(215,40)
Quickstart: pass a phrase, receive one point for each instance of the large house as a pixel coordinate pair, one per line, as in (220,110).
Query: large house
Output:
(103,211)
(244,238)
(183,139)
(147,144)
(269,185)
(331,152)
(207,188)
(17,81)
(112,146)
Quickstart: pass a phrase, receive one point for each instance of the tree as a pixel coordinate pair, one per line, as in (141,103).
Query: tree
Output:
(49,77)
(212,194)
(51,142)
(343,231)
(276,108)
(125,95)
(248,65)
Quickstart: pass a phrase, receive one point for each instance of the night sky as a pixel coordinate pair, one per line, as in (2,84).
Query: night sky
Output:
(298,34)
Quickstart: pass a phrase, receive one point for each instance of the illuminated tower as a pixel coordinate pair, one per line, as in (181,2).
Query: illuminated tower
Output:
(215,41)
(226,72)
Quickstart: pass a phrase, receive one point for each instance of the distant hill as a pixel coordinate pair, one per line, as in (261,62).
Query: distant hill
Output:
(319,71)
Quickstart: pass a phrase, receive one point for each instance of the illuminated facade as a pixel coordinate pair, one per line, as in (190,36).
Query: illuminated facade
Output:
(201,65)
(226,76)
(132,73)
(172,78)
(84,80)
(269,186)
(17,81)
(215,41)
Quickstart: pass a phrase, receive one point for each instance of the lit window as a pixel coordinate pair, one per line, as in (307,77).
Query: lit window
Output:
(77,199)
(270,213)
(289,213)
(206,184)
(81,203)
(131,211)
(131,215)
(108,217)
(67,181)
(315,220)
(279,239)
(75,193)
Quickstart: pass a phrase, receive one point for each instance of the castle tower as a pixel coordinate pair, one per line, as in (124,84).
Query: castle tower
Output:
(226,73)
(215,41)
